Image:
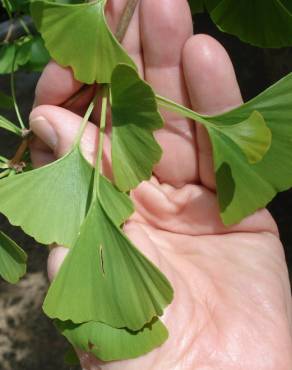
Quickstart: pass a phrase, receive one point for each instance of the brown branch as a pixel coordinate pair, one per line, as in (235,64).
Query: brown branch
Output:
(125,19)
(16,162)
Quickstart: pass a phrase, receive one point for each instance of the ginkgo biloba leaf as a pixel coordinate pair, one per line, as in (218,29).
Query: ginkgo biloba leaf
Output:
(6,102)
(117,205)
(12,260)
(261,23)
(9,126)
(110,344)
(49,203)
(7,53)
(243,187)
(252,136)
(78,36)
(39,56)
(116,284)
(134,118)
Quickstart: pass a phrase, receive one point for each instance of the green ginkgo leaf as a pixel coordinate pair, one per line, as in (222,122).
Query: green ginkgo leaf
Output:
(7,55)
(134,118)
(6,102)
(9,126)
(117,205)
(39,56)
(78,36)
(243,187)
(116,284)
(49,203)
(12,260)
(252,136)
(110,344)
(261,23)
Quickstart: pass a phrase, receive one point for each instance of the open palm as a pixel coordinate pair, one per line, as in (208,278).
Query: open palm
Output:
(232,307)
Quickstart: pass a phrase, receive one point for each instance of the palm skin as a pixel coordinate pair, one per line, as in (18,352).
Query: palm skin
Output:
(232,305)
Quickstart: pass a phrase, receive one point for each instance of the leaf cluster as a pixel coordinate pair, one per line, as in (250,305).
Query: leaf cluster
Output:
(107,297)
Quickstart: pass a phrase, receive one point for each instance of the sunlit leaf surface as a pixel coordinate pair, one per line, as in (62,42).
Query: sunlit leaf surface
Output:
(109,344)
(49,203)
(116,284)
(134,118)
(244,187)
(78,36)
(117,205)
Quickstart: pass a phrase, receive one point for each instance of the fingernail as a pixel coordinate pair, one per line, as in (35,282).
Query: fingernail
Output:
(43,129)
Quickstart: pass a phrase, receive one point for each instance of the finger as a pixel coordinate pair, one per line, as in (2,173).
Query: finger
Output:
(213,89)
(55,85)
(57,128)
(165,27)
(131,41)
(40,153)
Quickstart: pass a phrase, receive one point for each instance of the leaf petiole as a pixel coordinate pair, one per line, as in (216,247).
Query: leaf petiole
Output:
(184,111)
(85,121)
(102,126)
(3,159)
(24,26)
(5,173)
(12,87)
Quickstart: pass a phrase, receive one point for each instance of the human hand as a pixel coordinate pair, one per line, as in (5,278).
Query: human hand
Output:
(232,307)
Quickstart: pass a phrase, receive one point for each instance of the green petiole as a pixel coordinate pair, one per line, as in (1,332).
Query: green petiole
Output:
(5,173)
(85,121)
(180,109)
(3,159)
(102,126)
(12,87)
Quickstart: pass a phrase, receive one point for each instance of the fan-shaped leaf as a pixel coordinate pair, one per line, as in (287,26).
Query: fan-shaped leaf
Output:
(78,36)
(49,203)
(39,56)
(252,136)
(117,205)
(7,53)
(134,118)
(116,284)
(261,23)
(243,187)
(110,344)
(12,260)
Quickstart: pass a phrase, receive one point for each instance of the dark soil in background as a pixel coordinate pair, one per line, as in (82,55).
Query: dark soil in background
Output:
(28,340)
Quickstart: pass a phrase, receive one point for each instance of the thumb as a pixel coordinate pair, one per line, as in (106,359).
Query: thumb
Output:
(57,128)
